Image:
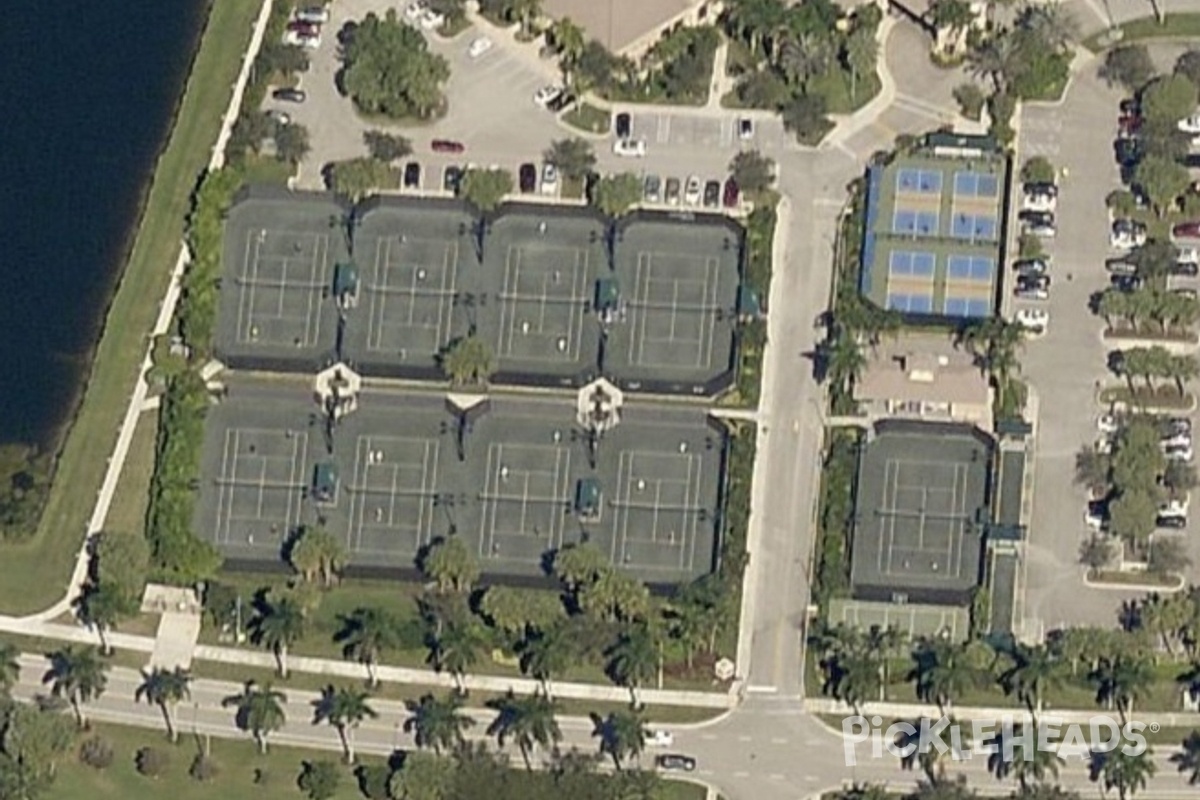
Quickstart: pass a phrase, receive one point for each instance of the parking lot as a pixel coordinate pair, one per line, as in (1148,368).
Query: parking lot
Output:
(1065,366)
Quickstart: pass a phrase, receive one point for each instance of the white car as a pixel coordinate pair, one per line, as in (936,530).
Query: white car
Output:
(300,40)
(317,15)
(1035,319)
(1187,255)
(630,148)
(1107,424)
(431,20)
(1191,124)
(1175,507)
(691,190)
(1179,440)
(1039,202)
(414,11)
(660,738)
(549,179)
(1126,235)
(546,95)
(479,47)
(1179,453)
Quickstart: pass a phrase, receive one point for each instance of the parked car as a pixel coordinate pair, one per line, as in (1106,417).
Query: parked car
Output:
(671,193)
(1181,452)
(1125,283)
(479,46)
(1031,293)
(546,95)
(446,146)
(1186,230)
(412,175)
(745,128)
(673,762)
(1120,266)
(1127,234)
(1176,440)
(1039,202)
(1095,516)
(1128,152)
(1176,425)
(660,738)
(1130,105)
(731,195)
(1107,423)
(527,178)
(1185,269)
(431,20)
(564,101)
(1031,266)
(623,126)
(549,179)
(301,40)
(317,15)
(1172,521)
(630,148)
(1037,223)
(1190,124)
(1188,255)
(652,189)
(691,191)
(712,194)
(1190,294)
(289,95)
(1033,319)
(304,28)
(451,178)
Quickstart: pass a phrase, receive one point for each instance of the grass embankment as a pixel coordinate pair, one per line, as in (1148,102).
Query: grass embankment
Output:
(127,514)
(1175,26)
(35,572)
(588,119)
(238,765)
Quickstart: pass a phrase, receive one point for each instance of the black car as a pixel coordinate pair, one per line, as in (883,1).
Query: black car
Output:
(1120,266)
(1033,281)
(527,178)
(1185,269)
(1031,266)
(451,178)
(1131,106)
(1171,521)
(623,126)
(1041,189)
(1036,218)
(560,103)
(1126,283)
(712,194)
(1128,151)
(289,95)
(412,175)
(674,761)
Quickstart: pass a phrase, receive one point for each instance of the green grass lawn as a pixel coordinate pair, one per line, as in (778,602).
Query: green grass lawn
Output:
(1176,26)
(127,514)
(835,87)
(34,573)
(588,118)
(236,760)
(265,169)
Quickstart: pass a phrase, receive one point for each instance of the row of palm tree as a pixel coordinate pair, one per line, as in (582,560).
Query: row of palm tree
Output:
(1153,364)
(1150,304)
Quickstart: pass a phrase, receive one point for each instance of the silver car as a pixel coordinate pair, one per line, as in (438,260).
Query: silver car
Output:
(652,189)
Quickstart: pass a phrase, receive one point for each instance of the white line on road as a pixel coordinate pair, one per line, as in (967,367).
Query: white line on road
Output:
(762,689)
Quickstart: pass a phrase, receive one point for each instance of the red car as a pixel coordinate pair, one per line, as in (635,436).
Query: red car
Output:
(732,194)
(447,146)
(304,28)
(1186,230)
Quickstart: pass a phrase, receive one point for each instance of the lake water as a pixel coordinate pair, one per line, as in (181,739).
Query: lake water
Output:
(87,92)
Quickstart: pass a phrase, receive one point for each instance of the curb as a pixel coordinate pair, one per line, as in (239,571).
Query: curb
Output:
(1134,587)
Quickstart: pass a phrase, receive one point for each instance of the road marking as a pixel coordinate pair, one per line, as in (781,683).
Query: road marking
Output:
(775,776)
(741,774)
(778,740)
(762,689)
(708,736)
(745,738)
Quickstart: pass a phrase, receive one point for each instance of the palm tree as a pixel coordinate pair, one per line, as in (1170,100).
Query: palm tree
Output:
(365,635)
(1031,764)
(1121,681)
(547,655)
(437,723)
(10,666)
(259,711)
(842,357)
(79,674)
(634,659)
(527,720)
(569,39)
(1092,468)
(280,625)
(574,157)
(1037,670)
(622,735)
(944,673)
(457,649)
(343,708)
(1188,757)
(165,688)
(101,607)
(1125,772)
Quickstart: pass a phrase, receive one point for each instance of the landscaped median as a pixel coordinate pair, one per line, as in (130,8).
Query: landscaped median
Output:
(1173,26)
(35,573)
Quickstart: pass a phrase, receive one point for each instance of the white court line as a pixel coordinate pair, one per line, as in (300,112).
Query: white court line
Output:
(246,290)
(225,492)
(556,531)
(359,498)
(624,480)
(487,532)
(638,328)
(425,509)
(708,319)
(507,309)
(299,462)
(446,306)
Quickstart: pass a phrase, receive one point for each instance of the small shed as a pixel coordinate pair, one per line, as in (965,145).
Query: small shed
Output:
(325,482)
